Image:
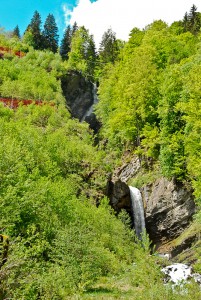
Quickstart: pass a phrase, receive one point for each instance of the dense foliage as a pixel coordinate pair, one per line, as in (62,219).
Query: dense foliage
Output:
(82,56)
(34,76)
(52,176)
(149,100)
(59,241)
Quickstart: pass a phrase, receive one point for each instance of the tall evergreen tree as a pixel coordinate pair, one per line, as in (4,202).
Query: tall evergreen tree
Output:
(91,55)
(16,32)
(192,14)
(185,22)
(65,43)
(50,34)
(35,29)
(74,28)
(192,21)
(108,50)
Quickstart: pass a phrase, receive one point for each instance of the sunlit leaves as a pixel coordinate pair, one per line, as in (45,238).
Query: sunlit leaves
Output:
(82,56)
(34,76)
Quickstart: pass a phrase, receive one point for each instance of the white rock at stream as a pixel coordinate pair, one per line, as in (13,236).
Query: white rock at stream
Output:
(178,272)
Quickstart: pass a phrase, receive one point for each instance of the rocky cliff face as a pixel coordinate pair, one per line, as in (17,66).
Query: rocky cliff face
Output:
(169,206)
(78,93)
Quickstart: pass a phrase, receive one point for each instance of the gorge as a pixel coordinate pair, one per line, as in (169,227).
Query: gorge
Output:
(168,205)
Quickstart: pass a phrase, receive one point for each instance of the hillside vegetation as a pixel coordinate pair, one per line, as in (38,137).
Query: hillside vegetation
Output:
(150,101)
(65,242)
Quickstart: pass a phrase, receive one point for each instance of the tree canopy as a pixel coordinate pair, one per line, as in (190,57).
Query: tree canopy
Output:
(82,56)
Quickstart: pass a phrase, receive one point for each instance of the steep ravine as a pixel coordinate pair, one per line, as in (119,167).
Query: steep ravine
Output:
(169,205)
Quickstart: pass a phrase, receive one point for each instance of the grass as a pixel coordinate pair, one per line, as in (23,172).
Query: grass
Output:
(128,286)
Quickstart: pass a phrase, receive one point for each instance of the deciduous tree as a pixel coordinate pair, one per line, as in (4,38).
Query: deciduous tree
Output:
(82,56)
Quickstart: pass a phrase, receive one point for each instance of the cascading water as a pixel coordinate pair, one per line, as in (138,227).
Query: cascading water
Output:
(137,211)
(95,101)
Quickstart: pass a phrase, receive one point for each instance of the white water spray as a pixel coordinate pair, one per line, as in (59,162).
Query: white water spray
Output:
(137,210)
(95,101)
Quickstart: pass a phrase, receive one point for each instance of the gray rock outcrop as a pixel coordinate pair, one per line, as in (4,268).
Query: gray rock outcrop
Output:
(80,95)
(127,170)
(169,207)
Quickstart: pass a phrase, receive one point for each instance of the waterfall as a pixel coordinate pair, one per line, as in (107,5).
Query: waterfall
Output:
(95,101)
(137,211)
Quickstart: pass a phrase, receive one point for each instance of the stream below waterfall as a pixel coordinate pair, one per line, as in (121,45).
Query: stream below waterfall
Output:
(177,273)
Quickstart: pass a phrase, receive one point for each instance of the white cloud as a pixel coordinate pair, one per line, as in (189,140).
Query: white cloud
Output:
(67,13)
(123,15)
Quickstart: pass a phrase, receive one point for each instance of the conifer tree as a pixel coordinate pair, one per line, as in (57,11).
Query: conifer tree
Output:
(192,14)
(35,29)
(91,55)
(194,20)
(75,28)
(65,43)
(16,32)
(50,34)
(185,22)
(108,50)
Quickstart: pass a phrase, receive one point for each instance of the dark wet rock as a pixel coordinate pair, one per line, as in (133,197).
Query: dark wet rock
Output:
(94,124)
(78,92)
(119,195)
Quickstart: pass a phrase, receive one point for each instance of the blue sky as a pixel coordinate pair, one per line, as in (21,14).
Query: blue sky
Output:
(95,15)
(20,12)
